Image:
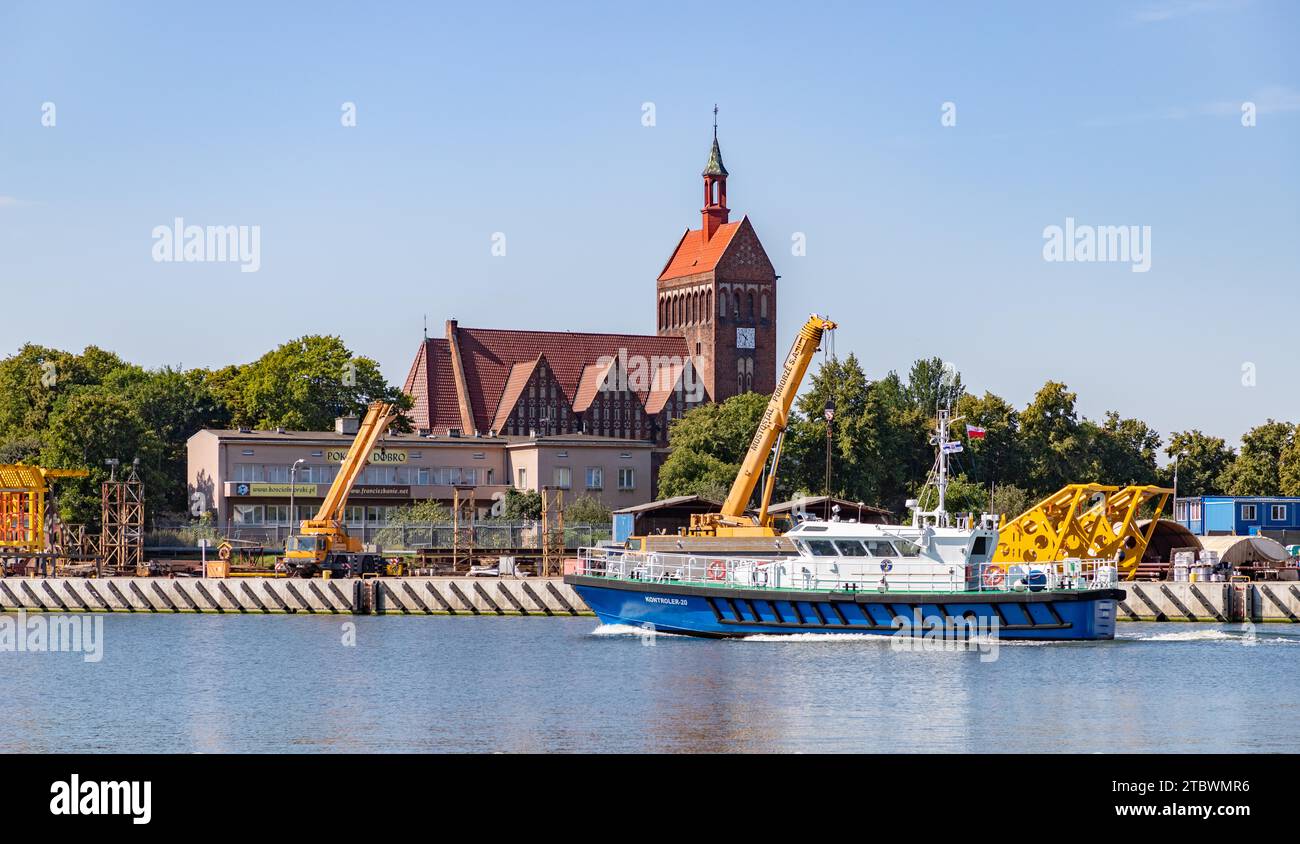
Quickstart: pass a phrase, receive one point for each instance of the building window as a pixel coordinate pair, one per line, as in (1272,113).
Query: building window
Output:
(1248,512)
(277,514)
(1277,512)
(246,514)
(626,478)
(595,477)
(523,479)
(563,477)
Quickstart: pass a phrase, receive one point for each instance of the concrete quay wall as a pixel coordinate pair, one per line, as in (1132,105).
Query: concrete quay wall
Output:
(352,596)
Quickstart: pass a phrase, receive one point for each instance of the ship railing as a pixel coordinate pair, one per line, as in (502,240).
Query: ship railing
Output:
(1052,576)
(854,575)
(657,567)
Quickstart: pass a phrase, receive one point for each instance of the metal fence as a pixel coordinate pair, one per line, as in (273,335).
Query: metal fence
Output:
(901,576)
(390,537)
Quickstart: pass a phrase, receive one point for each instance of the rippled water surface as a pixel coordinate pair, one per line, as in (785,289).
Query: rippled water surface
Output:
(274,684)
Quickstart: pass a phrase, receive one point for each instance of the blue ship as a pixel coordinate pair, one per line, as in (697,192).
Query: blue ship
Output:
(849,577)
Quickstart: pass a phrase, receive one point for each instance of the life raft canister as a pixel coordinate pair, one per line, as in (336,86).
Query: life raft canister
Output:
(993,576)
(717,570)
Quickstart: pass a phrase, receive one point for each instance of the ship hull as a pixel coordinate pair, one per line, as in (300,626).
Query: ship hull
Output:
(713,611)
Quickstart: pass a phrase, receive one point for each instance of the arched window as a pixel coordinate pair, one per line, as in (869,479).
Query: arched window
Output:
(762,306)
(751,306)
(722,303)
(737,311)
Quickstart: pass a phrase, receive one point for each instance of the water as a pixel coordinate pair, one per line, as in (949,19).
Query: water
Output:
(172,683)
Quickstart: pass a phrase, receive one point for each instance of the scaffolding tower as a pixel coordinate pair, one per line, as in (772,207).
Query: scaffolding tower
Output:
(552,531)
(27,523)
(121,543)
(463,510)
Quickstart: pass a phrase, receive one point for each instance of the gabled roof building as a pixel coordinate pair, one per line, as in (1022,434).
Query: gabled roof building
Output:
(715,337)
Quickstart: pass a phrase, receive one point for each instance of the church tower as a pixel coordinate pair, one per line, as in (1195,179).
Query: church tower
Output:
(718,292)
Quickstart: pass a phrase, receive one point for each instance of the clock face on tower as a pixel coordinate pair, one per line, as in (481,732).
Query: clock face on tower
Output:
(744,338)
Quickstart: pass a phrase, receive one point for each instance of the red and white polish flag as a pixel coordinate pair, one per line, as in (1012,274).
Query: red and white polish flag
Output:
(975,433)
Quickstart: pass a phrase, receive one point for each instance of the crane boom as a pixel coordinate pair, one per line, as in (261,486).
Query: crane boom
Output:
(323,542)
(770,429)
(378,417)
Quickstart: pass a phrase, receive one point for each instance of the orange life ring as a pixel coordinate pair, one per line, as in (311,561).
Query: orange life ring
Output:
(717,570)
(993,576)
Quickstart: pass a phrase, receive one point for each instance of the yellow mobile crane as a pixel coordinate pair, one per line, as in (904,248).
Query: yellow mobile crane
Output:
(322,543)
(733,521)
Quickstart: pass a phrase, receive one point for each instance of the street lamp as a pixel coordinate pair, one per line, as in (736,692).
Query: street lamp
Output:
(293,486)
(1178,457)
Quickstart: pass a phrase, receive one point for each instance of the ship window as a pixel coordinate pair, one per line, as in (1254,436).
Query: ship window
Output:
(880,548)
(980,546)
(850,548)
(822,548)
(909,549)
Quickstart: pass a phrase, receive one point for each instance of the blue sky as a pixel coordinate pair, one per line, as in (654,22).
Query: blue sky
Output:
(527,119)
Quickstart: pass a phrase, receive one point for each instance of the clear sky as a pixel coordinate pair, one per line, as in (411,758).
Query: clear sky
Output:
(527,119)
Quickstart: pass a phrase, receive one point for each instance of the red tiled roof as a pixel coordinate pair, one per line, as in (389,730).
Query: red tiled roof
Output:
(695,255)
(491,359)
(519,375)
(431,376)
(593,377)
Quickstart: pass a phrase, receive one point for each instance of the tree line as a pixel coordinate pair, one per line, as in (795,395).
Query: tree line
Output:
(77,410)
(881,449)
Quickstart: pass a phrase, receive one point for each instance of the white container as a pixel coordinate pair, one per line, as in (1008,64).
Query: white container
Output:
(506,565)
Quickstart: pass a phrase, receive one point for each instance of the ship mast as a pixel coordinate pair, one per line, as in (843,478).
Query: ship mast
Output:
(939,474)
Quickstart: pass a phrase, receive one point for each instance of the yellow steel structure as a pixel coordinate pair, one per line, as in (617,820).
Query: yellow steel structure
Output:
(733,520)
(1090,521)
(325,534)
(22,506)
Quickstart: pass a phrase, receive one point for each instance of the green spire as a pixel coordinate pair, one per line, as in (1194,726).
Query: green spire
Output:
(714,167)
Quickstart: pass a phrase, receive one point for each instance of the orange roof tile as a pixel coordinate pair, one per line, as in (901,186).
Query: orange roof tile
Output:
(695,255)
(499,361)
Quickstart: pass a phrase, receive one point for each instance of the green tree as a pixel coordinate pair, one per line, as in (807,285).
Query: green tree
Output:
(20,449)
(86,428)
(587,510)
(174,405)
(1054,439)
(1010,500)
(879,446)
(688,472)
(33,379)
(999,457)
(403,523)
(304,384)
(1201,461)
(1256,469)
(963,496)
(930,381)
(1288,469)
(1120,451)
(521,505)
(708,444)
